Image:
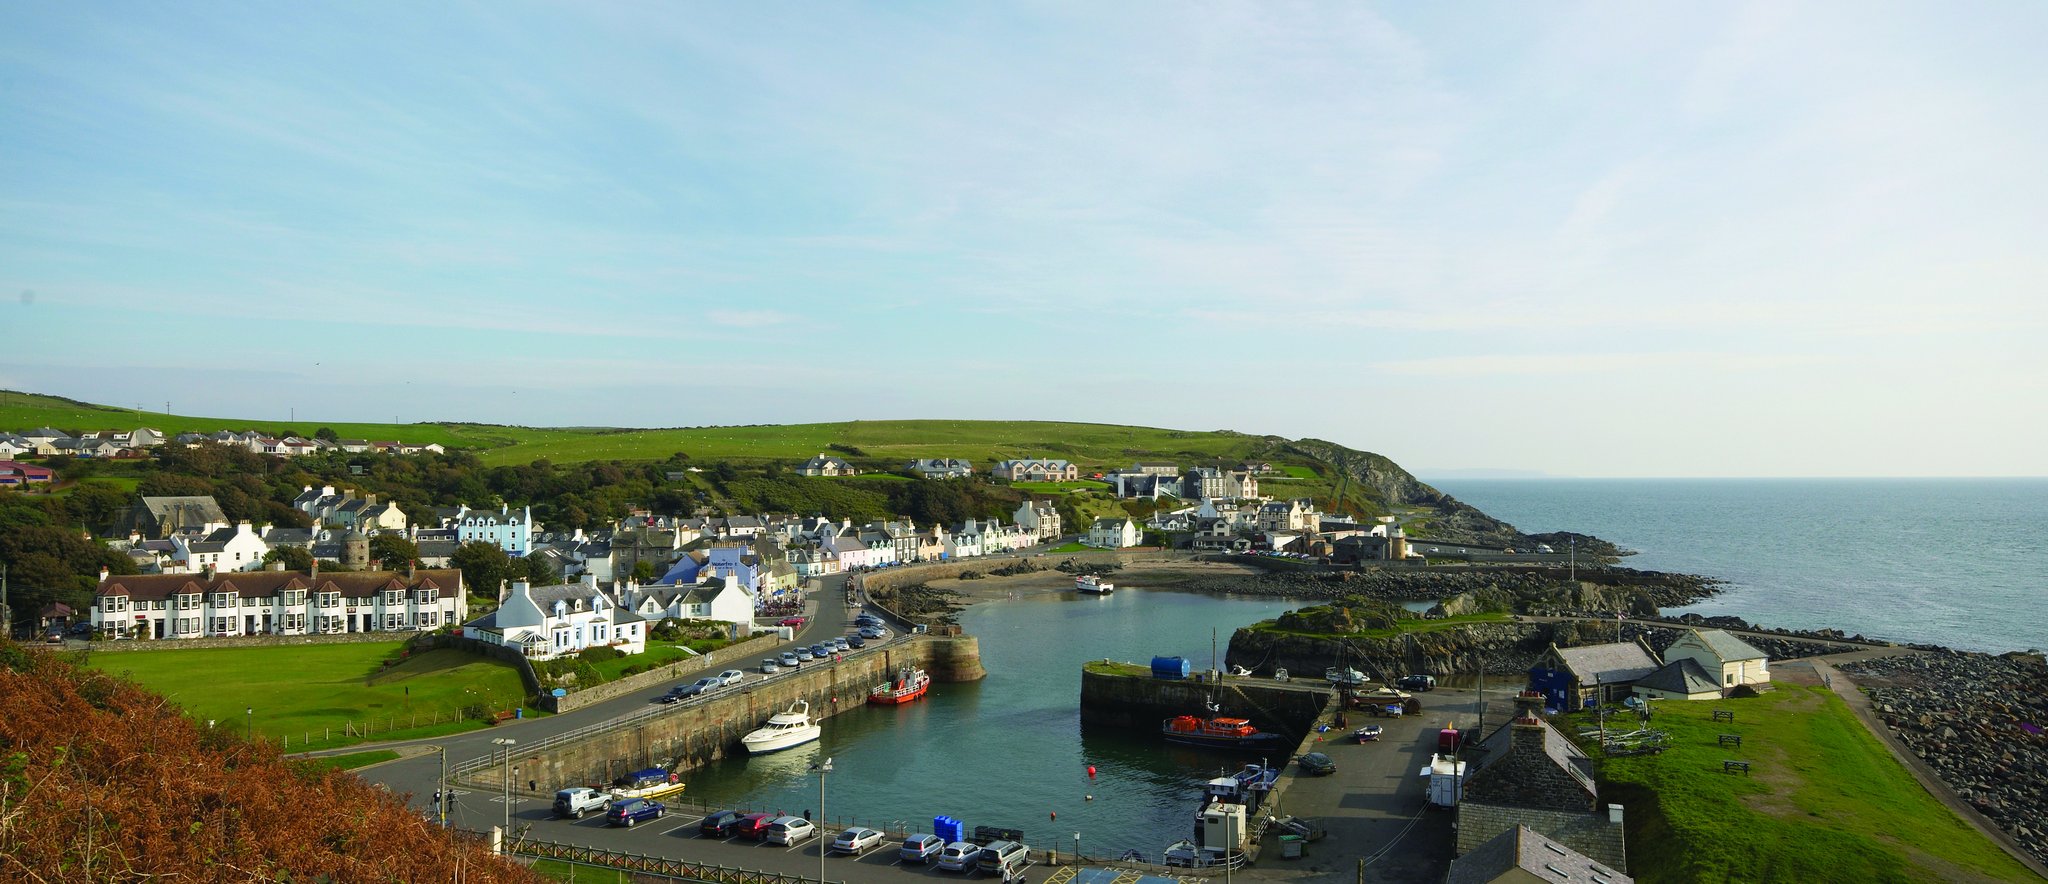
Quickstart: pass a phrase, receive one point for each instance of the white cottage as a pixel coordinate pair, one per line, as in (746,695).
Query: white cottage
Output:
(1729,660)
(557,621)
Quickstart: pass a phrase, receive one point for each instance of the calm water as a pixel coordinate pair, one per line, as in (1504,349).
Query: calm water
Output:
(1957,562)
(1009,750)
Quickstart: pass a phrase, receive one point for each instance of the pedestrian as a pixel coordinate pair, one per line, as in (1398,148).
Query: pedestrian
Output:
(807,814)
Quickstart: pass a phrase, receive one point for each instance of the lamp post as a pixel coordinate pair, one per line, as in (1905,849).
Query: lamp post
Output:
(822,768)
(507,742)
(441,787)
(249,723)
(1077,848)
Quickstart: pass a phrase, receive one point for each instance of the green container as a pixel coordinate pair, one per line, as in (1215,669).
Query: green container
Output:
(1290,847)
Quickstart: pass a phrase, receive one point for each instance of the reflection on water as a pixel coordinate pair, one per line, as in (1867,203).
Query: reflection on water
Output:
(1010,750)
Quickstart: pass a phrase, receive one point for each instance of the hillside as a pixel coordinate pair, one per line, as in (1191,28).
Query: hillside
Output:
(1315,467)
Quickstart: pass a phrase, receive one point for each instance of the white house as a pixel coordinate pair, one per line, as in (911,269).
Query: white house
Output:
(1296,515)
(942,468)
(1116,533)
(712,598)
(1037,469)
(240,548)
(558,621)
(1730,660)
(826,465)
(175,606)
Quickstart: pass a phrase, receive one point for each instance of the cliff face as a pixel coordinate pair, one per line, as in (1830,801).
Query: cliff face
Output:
(1456,521)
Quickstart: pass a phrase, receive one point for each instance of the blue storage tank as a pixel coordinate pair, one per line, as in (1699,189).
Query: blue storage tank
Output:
(1170,667)
(947,828)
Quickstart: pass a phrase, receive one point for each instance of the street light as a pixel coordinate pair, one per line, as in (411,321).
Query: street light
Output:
(249,723)
(822,769)
(1077,848)
(507,742)
(441,787)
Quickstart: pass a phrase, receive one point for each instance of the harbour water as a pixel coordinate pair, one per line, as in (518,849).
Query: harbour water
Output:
(1009,750)
(1955,562)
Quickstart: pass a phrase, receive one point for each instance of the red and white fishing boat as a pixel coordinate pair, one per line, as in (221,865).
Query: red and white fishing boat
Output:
(910,684)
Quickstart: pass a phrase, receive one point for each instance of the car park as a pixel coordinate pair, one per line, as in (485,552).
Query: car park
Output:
(770,666)
(855,840)
(632,810)
(788,830)
(959,856)
(721,824)
(920,848)
(754,826)
(732,677)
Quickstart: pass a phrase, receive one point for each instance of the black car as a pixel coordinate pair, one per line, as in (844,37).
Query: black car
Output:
(855,641)
(721,824)
(1316,764)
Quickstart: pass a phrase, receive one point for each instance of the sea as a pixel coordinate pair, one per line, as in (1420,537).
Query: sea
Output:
(1956,562)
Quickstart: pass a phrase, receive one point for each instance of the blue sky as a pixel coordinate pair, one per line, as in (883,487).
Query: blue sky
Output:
(1606,239)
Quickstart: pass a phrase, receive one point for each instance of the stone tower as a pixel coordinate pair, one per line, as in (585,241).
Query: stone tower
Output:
(355,550)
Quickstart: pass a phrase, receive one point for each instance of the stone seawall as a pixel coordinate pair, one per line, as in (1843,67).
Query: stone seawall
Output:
(1141,702)
(730,656)
(696,734)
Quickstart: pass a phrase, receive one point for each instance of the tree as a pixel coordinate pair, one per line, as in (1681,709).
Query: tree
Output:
(393,550)
(97,505)
(536,571)
(295,558)
(643,572)
(327,434)
(484,567)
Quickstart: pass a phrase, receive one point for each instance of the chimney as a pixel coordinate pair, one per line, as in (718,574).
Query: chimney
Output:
(411,568)
(209,571)
(1527,729)
(370,500)
(315,573)
(103,575)
(244,527)
(1614,814)
(275,566)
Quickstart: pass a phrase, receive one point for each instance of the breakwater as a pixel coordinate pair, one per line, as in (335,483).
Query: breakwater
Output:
(1606,589)
(695,734)
(1112,696)
(1507,648)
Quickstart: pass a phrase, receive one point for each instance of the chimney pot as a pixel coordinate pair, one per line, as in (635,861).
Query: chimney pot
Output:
(1614,814)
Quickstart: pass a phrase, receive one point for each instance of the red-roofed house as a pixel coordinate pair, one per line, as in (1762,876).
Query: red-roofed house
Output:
(16,475)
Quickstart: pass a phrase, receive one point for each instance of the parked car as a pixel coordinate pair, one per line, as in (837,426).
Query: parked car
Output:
(791,660)
(790,830)
(792,622)
(1417,682)
(959,856)
(842,644)
(579,800)
(1316,764)
(676,694)
(872,632)
(1003,857)
(920,848)
(821,650)
(855,641)
(867,620)
(721,824)
(855,840)
(754,826)
(731,677)
(700,686)
(633,810)
(804,654)
(770,666)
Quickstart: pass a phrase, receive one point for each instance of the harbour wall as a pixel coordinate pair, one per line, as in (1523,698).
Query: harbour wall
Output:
(695,734)
(1139,701)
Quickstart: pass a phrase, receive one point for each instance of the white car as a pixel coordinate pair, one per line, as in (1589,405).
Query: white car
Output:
(855,840)
(790,830)
(732,677)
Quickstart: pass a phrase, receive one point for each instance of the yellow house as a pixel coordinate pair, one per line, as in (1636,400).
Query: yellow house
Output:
(1730,660)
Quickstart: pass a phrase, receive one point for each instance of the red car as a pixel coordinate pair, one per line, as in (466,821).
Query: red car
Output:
(797,622)
(753,826)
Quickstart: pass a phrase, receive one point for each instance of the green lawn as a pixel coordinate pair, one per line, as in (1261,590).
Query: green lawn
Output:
(1072,546)
(1824,801)
(1297,471)
(301,690)
(352,760)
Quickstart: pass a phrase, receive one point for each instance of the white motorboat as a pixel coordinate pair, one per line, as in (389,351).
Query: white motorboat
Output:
(790,727)
(1093,585)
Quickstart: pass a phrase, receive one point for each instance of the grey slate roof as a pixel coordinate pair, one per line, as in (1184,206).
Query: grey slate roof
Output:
(1684,676)
(1524,848)
(1728,647)
(1612,663)
(1498,745)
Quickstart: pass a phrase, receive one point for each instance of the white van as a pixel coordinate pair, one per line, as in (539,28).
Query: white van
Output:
(1001,857)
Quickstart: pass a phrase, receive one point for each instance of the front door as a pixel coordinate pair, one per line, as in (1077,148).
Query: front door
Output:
(249,624)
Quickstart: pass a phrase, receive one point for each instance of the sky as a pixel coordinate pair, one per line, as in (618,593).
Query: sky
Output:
(1605,239)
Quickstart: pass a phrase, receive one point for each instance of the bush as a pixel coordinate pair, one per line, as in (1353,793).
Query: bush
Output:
(599,654)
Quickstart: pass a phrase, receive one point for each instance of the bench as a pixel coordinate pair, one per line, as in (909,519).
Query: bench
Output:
(502,717)
(1733,766)
(1732,739)
(1724,715)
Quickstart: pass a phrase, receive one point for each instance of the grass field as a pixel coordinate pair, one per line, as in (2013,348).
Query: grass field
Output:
(1824,801)
(352,760)
(301,690)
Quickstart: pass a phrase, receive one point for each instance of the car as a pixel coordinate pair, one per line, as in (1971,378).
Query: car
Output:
(959,856)
(699,687)
(821,650)
(792,622)
(754,826)
(920,848)
(872,632)
(804,654)
(842,644)
(854,642)
(721,824)
(632,810)
(1316,764)
(855,840)
(732,677)
(770,666)
(791,660)
(790,830)
(674,695)
(867,620)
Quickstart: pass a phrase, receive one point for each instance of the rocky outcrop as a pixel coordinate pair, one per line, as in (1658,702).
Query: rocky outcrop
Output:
(1539,590)
(1498,649)
(1977,721)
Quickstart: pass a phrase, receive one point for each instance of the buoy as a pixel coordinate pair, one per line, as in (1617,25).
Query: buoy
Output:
(1091,798)
(1054,814)
(1091,771)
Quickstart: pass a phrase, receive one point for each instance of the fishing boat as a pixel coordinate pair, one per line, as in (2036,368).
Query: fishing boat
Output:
(1093,585)
(910,684)
(1219,732)
(790,727)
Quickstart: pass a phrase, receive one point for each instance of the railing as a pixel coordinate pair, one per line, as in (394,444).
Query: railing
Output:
(653,865)
(482,761)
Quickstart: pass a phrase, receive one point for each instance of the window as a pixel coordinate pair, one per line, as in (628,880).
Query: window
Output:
(114,604)
(425,597)
(188,625)
(1731,678)
(294,597)
(429,618)
(223,599)
(394,598)
(223,625)
(330,600)
(294,622)
(156,605)
(188,601)
(393,621)
(330,624)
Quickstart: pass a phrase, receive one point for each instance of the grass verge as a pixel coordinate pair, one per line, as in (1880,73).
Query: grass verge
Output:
(350,761)
(1824,801)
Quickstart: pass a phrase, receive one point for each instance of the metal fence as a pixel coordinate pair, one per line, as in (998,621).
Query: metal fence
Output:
(679,869)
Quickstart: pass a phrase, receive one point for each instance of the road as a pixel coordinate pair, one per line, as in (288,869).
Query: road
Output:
(419,774)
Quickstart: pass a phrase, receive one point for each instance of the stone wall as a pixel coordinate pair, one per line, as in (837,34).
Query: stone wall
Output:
(253,641)
(692,734)
(1142,702)
(733,656)
(527,677)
